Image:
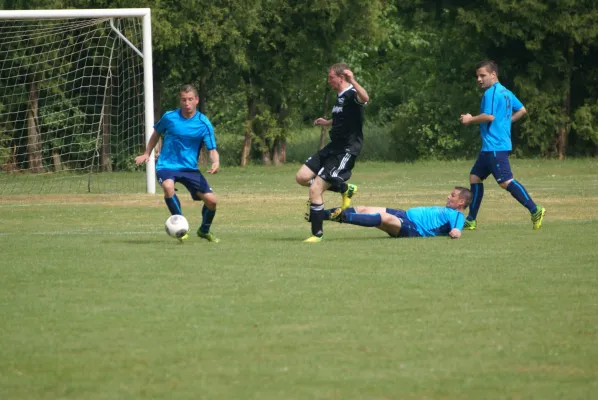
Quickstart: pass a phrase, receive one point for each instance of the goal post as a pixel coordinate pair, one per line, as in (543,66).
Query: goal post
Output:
(76,100)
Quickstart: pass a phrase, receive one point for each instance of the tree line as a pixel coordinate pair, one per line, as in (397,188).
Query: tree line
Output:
(260,67)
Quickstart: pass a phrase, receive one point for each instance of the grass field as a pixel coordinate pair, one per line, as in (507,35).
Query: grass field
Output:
(98,303)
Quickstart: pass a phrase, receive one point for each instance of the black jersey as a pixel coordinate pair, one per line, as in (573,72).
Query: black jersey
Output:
(346,134)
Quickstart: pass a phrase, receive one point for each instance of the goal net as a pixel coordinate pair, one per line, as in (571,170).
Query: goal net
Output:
(75,101)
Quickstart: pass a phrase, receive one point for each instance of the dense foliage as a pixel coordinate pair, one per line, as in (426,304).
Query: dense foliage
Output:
(260,66)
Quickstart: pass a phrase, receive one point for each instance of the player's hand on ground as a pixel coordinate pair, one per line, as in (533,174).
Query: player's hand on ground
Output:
(320,121)
(465,118)
(141,159)
(214,169)
(455,233)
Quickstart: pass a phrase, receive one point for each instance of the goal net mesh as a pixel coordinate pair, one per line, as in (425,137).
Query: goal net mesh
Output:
(71,106)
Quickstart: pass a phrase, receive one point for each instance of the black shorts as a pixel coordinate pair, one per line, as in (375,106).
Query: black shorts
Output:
(332,166)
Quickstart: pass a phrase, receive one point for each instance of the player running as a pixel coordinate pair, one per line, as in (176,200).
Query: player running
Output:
(330,168)
(499,109)
(184,131)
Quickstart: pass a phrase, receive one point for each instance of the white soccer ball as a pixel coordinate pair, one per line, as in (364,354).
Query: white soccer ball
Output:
(176,226)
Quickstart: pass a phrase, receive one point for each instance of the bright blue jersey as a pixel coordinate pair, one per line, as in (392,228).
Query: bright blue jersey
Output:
(499,102)
(182,139)
(436,221)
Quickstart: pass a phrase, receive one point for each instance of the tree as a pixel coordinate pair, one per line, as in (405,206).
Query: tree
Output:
(544,40)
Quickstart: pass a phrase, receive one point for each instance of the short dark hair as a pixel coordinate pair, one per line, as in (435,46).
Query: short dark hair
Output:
(490,65)
(188,88)
(465,195)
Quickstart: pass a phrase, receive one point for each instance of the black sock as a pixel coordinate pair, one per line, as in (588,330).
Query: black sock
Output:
(339,187)
(316,215)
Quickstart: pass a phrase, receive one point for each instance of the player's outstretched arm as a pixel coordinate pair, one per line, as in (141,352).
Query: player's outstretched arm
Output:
(215,158)
(322,121)
(467,119)
(148,150)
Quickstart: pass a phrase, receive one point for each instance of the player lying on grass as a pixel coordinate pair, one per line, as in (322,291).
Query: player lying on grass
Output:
(415,222)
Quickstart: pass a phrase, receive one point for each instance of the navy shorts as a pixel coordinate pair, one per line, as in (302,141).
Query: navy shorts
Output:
(495,163)
(331,166)
(194,181)
(408,228)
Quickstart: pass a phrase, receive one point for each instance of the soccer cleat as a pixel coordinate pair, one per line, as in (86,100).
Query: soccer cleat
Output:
(313,239)
(210,237)
(351,190)
(308,211)
(470,225)
(335,215)
(184,237)
(538,217)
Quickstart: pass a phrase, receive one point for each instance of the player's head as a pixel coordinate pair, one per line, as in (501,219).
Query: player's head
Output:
(188,98)
(336,75)
(487,73)
(459,198)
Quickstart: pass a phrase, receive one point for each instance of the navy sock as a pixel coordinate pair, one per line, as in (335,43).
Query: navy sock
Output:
(174,205)
(316,216)
(207,218)
(363,219)
(477,191)
(520,194)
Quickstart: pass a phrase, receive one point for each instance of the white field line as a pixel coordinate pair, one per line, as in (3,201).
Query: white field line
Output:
(81,233)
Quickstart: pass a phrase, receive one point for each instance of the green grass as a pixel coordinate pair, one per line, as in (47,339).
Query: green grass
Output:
(98,303)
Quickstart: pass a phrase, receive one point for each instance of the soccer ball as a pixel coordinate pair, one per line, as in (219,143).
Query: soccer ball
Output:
(176,226)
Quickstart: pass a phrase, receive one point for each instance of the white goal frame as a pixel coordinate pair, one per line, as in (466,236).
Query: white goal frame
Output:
(145,53)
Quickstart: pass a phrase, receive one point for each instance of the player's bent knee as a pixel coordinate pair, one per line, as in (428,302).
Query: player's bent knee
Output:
(210,201)
(302,180)
(504,185)
(474,179)
(168,188)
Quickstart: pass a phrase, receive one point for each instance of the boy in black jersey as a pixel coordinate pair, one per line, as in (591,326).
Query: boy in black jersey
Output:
(330,168)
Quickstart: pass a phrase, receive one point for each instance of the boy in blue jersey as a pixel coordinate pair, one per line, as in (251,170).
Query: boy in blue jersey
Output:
(498,110)
(184,131)
(415,222)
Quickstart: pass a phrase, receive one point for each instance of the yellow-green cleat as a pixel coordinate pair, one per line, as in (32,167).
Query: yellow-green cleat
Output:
(538,217)
(335,215)
(313,239)
(470,225)
(347,195)
(184,237)
(210,237)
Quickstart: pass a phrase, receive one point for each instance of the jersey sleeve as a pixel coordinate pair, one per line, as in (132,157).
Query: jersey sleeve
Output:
(160,126)
(457,220)
(352,96)
(516,104)
(209,138)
